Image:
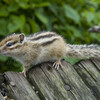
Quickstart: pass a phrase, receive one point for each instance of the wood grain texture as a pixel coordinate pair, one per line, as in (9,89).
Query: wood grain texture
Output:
(78,82)
(90,74)
(19,88)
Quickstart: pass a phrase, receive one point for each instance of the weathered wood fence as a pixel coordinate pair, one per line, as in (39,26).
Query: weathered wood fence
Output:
(78,82)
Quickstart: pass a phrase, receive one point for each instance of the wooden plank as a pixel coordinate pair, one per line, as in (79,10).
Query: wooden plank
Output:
(78,82)
(59,85)
(92,70)
(54,78)
(1,87)
(1,97)
(96,62)
(50,88)
(19,87)
(77,87)
(87,76)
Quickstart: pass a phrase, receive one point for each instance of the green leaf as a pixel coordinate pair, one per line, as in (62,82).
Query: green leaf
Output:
(40,15)
(71,13)
(97,18)
(34,25)
(72,60)
(16,23)
(90,16)
(3,11)
(3,28)
(8,1)
(93,3)
(23,3)
(13,7)
(25,29)
(3,58)
(56,11)
(76,31)
(43,4)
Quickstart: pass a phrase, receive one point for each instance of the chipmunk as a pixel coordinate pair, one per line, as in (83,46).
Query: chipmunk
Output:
(43,47)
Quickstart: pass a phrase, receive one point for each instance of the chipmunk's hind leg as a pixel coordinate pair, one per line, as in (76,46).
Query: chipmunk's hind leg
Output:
(57,64)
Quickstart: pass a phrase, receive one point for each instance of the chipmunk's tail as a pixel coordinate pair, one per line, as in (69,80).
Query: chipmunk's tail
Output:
(83,51)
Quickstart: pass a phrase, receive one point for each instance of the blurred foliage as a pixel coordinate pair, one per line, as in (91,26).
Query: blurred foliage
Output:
(70,18)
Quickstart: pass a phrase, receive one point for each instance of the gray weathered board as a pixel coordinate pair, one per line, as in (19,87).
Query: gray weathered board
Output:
(78,82)
(1,97)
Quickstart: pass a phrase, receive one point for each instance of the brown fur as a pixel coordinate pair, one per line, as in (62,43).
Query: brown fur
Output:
(47,46)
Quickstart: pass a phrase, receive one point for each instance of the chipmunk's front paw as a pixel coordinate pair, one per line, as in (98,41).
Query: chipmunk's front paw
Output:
(57,64)
(23,73)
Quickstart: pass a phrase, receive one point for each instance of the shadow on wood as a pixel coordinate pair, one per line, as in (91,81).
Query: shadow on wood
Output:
(78,82)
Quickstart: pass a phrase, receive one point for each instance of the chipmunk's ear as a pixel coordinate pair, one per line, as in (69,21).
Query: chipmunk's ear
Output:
(21,37)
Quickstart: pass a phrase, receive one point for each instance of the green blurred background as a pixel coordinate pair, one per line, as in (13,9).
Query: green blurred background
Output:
(70,18)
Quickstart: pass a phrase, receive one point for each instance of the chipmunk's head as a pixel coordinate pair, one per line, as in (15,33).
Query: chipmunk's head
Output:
(10,46)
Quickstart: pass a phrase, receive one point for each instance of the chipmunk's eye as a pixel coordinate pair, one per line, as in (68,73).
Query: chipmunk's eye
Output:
(9,44)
